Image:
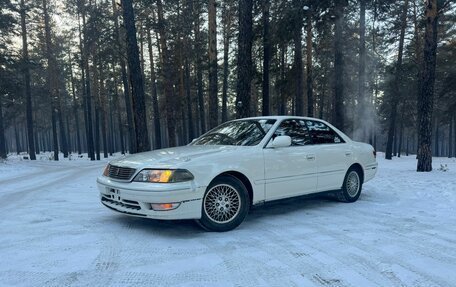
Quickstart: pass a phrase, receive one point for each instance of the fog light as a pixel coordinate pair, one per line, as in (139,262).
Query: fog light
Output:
(164,206)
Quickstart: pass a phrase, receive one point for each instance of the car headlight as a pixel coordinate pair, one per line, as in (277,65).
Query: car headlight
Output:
(163,175)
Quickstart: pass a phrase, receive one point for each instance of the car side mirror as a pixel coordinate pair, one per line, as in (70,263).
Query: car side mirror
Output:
(281,141)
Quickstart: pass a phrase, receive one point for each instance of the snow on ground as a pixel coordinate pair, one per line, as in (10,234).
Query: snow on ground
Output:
(401,232)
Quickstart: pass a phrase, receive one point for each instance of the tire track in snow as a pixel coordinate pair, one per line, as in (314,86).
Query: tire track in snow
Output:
(43,169)
(64,178)
(423,279)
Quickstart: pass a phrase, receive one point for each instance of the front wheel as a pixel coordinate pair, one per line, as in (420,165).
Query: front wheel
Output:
(225,204)
(351,189)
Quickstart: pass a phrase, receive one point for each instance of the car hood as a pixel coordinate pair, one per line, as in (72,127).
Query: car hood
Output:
(170,157)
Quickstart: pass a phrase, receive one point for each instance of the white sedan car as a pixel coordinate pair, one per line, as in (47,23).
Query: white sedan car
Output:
(241,163)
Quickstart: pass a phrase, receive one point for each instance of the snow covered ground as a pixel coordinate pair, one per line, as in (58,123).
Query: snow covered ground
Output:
(54,232)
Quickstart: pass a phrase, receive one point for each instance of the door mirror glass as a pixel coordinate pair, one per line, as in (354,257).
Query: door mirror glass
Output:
(281,141)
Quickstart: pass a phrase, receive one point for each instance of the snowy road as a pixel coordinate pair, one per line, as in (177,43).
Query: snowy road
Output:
(54,232)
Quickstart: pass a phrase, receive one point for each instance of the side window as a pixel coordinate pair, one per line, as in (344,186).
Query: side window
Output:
(322,134)
(296,129)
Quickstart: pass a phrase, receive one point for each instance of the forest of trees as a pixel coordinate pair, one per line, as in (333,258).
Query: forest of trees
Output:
(105,76)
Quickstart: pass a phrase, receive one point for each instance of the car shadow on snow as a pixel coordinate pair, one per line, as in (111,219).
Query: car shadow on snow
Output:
(168,228)
(258,215)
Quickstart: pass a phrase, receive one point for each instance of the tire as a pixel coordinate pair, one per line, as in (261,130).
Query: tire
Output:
(351,189)
(226,203)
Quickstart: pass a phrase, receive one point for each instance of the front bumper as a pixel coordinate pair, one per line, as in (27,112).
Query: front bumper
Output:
(135,198)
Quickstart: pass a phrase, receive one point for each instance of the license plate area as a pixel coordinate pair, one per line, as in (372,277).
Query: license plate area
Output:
(114,194)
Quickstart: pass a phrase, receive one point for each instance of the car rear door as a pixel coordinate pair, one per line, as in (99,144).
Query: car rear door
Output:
(290,171)
(333,155)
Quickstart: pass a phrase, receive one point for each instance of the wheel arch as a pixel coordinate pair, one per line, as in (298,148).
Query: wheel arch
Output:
(240,176)
(359,168)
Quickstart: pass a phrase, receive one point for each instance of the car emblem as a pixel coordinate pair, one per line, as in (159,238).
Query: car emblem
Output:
(118,171)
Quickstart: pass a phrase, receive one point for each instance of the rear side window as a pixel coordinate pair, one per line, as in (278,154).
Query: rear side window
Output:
(296,129)
(322,134)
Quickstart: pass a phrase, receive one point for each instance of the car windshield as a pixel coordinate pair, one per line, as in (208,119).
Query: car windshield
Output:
(240,133)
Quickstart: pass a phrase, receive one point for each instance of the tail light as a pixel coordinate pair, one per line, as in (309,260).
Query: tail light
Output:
(375,153)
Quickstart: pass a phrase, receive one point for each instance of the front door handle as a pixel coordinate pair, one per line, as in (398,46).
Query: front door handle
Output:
(310,156)
(348,153)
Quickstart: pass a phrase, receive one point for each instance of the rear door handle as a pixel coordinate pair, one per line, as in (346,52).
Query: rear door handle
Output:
(348,153)
(310,156)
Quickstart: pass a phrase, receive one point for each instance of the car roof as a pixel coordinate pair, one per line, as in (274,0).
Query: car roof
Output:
(279,118)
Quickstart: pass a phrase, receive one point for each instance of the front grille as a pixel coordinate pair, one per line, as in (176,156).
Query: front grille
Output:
(122,173)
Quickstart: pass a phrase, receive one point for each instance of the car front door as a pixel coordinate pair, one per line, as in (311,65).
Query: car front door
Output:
(290,171)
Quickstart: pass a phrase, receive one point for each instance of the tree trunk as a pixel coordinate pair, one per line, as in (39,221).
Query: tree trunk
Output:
(450,137)
(2,133)
(191,132)
(297,38)
(183,137)
(396,88)
(227,19)
(126,86)
(97,133)
(51,78)
(338,105)
(103,111)
(454,133)
(199,71)
(119,115)
(407,146)
(362,120)
(282,100)
(75,106)
(28,93)
(401,131)
(67,132)
(245,67)
(17,139)
(111,124)
(167,78)
(426,94)
(155,106)
(37,142)
(395,142)
(309,65)
(87,90)
(136,79)
(266,58)
(63,137)
(436,139)
(212,53)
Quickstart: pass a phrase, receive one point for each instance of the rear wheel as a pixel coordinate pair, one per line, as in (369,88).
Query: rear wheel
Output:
(225,204)
(351,189)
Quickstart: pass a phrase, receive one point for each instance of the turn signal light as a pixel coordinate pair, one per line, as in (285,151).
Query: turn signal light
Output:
(164,206)
(106,171)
